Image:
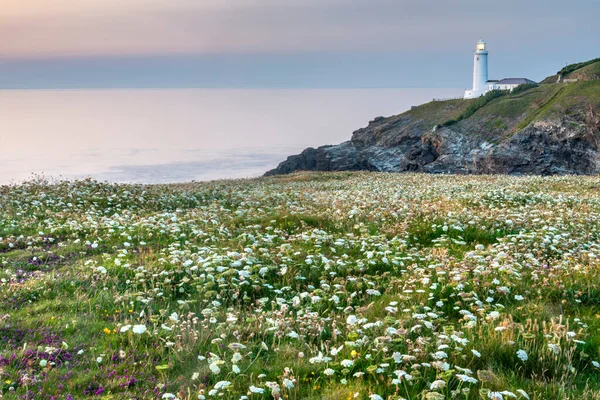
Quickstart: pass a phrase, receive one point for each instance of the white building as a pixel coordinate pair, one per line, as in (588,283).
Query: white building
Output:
(509,83)
(481,83)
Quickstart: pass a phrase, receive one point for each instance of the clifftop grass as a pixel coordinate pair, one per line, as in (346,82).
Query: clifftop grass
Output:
(501,114)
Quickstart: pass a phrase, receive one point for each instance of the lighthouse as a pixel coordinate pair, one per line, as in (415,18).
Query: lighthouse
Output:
(480,72)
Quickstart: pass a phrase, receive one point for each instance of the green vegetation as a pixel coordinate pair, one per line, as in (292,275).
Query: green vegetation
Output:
(587,73)
(523,88)
(574,67)
(541,109)
(499,114)
(306,286)
(476,106)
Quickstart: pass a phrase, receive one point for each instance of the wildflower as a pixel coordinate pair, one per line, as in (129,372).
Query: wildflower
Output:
(168,396)
(494,315)
(329,372)
(319,359)
(434,396)
(254,389)
(495,396)
(375,397)
(347,363)
(222,385)
(236,358)
(214,368)
(466,378)
(288,383)
(522,355)
(351,320)
(275,390)
(439,384)
(99,360)
(440,365)
(476,353)
(139,329)
(43,363)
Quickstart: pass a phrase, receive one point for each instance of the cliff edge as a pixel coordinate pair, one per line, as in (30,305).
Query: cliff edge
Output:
(551,128)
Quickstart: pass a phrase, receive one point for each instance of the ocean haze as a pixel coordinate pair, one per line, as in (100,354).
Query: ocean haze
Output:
(175,135)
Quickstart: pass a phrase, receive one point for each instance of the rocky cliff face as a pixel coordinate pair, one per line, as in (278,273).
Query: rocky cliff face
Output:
(548,130)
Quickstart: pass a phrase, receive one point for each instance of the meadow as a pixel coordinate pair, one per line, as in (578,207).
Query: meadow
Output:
(307,286)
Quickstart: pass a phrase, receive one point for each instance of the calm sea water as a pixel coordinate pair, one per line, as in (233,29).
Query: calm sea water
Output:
(160,136)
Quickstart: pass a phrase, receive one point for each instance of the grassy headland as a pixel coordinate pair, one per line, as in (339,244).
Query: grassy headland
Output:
(501,113)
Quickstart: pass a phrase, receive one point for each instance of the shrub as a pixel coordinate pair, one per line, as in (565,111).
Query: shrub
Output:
(574,67)
(524,88)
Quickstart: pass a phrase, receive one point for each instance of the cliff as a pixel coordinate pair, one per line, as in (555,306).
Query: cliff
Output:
(553,128)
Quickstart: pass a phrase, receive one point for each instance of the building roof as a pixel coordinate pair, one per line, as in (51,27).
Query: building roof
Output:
(515,81)
(492,81)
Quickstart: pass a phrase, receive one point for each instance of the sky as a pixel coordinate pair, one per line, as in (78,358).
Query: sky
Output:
(287,43)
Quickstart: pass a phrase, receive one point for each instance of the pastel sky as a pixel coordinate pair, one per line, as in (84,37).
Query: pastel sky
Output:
(287,43)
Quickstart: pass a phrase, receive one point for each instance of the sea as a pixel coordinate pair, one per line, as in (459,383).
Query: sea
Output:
(180,135)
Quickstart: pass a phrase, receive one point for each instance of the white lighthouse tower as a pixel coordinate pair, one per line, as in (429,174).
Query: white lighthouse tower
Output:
(480,72)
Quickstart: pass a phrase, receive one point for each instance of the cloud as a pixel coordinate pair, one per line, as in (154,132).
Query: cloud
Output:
(39,28)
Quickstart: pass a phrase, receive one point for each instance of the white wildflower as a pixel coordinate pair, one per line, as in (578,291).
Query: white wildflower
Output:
(139,329)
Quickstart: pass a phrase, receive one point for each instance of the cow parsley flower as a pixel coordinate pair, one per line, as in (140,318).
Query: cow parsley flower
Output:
(139,329)
(222,385)
(438,384)
(466,378)
(254,389)
(214,368)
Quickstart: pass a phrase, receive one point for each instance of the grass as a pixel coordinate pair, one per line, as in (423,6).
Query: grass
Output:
(308,286)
